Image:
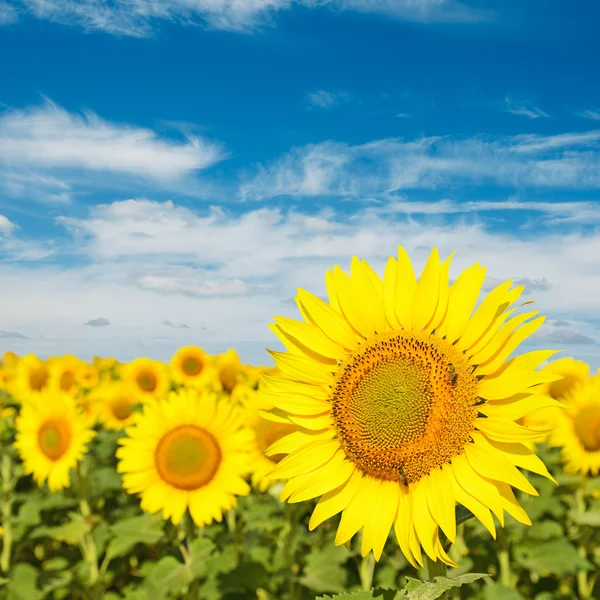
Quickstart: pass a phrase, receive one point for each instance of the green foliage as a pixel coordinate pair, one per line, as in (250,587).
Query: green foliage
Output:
(93,542)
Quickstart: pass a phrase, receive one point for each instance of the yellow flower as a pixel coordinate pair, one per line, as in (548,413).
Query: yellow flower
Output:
(52,436)
(64,372)
(191,366)
(9,359)
(188,451)
(230,371)
(115,404)
(572,374)
(88,376)
(411,400)
(577,429)
(7,379)
(150,377)
(31,376)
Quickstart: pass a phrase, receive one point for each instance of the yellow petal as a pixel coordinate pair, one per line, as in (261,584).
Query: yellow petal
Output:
(311,336)
(335,473)
(511,382)
(355,514)
(377,526)
(296,440)
(335,501)
(406,285)
(312,422)
(427,293)
(427,530)
(403,525)
(490,463)
(521,456)
(389,289)
(510,504)
(297,404)
(443,295)
(511,409)
(441,502)
(331,322)
(461,302)
(507,431)
(307,459)
(303,368)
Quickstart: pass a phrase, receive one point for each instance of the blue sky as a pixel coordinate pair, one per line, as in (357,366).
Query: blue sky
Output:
(170,173)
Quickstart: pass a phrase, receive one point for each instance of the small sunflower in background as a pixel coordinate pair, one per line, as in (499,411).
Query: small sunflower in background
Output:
(573,373)
(188,451)
(150,377)
(410,399)
(191,366)
(230,371)
(115,404)
(88,376)
(64,372)
(31,376)
(266,433)
(52,437)
(576,430)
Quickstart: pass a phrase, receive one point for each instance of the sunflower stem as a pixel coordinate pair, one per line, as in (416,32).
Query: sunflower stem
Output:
(7,488)
(191,532)
(88,544)
(583,584)
(436,568)
(366,571)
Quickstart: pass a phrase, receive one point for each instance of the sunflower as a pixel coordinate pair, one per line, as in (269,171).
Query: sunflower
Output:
(190,365)
(411,402)
(88,376)
(64,373)
(150,377)
(115,404)
(577,429)
(573,373)
(188,451)
(52,435)
(9,359)
(31,376)
(230,371)
(266,432)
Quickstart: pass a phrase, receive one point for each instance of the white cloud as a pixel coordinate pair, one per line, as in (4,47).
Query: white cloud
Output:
(6,225)
(50,155)
(327,100)
(48,136)
(138,18)
(231,273)
(523,109)
(382,167)
(589,114)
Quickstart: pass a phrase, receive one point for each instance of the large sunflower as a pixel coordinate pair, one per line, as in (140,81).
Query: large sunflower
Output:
(191,366)
(411,400)
(150,377)
(52,435)
(577,429)
(188,451)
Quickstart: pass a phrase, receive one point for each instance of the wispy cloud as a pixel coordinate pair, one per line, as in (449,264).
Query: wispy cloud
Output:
(383,167)
(44,148)
(138,18)
(6,225)
(327,100)
(589,114)
(523,109)
(8,13)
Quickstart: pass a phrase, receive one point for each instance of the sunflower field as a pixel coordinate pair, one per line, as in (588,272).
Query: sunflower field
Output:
(400,447)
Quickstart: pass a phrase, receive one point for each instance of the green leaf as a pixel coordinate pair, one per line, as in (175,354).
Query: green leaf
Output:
(591,517)
(23,583)
(430,590)
(557,557)
(545,530)
(72,532)
(323,570)
(145,529)
(378,594)
(200,551)
(167,575)
(495,591)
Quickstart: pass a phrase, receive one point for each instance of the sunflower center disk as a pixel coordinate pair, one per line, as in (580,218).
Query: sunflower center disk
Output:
(228,377)
(587,428)
(67,381)
(188,457)
(191,366)
(53,438)
(404,405)
(147,381)
(121,409)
